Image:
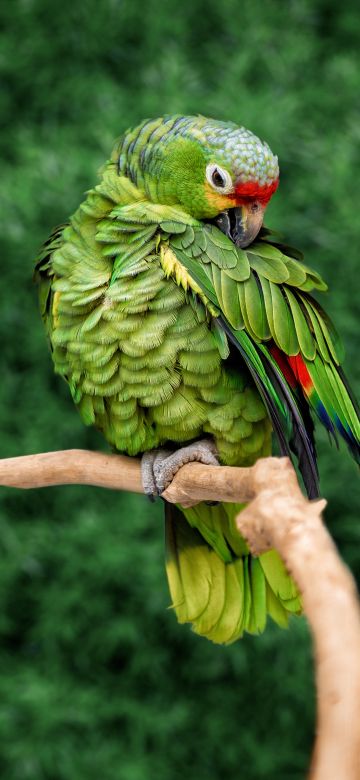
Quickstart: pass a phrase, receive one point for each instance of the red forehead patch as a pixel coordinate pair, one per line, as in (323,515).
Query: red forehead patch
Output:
(251,190)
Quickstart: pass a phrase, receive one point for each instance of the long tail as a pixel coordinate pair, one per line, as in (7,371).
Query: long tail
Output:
(215,583)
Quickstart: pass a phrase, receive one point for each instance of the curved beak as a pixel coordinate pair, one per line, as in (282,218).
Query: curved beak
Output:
(242,223)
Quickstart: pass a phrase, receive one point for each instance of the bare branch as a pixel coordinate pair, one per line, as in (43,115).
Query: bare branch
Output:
(72,467)
(278,516)
(282,518)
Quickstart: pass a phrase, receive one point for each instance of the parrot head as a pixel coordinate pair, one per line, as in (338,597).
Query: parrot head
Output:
(214,170)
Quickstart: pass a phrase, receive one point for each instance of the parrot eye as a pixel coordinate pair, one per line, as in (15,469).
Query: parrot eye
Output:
(219,179)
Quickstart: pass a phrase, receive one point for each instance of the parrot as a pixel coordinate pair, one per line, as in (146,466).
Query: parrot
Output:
(188,331)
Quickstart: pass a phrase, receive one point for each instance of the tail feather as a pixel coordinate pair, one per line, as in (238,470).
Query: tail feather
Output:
(223,595)
(257,596)
(275,609)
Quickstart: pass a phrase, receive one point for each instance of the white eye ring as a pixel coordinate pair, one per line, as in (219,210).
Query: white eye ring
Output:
(219,179)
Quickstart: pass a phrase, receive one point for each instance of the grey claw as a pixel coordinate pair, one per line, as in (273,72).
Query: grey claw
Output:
(158,467)
(148,462)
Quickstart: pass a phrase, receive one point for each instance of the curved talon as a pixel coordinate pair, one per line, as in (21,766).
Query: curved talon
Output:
(158,467)
(148,462)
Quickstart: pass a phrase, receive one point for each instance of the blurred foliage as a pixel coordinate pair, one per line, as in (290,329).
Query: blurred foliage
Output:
(97,679)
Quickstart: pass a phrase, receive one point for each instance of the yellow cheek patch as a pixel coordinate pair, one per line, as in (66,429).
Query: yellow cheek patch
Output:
(217,201)
(172,267)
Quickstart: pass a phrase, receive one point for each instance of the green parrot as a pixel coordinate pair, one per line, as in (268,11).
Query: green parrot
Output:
(187,331)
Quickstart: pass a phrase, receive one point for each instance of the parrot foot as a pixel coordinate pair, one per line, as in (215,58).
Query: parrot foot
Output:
(158,467)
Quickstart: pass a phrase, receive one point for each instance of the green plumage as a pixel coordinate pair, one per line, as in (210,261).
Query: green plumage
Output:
(133,292)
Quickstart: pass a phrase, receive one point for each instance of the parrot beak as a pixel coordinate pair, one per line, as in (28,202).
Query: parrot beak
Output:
(242,223)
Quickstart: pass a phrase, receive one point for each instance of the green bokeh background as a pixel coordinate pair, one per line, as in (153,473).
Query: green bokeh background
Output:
(96,678)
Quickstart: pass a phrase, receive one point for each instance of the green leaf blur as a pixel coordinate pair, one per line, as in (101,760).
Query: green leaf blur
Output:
(97,679)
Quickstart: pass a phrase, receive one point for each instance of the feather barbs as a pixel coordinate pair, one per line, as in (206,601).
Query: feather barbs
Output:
(248,191)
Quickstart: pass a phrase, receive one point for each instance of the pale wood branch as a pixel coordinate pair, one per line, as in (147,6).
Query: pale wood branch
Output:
(282,518)
(72,467)
(278,516)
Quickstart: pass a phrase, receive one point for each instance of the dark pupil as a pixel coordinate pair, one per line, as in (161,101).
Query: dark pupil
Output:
(218,179)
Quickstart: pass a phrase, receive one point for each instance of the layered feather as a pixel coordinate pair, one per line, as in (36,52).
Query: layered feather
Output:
(215,583)
(144,307)
(266,310)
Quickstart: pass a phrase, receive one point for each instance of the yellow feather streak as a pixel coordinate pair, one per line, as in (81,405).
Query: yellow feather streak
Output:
(172,267)
(55,309)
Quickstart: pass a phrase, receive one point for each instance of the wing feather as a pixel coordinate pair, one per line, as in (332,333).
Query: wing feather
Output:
(268,300)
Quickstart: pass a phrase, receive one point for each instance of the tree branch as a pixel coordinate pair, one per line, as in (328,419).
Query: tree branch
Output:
(282,518)
(72,467)
(277,516)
